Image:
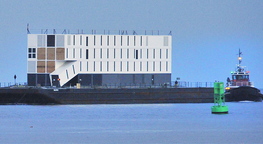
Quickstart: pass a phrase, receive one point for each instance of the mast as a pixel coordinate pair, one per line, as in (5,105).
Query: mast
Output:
(239,57)
(239,68)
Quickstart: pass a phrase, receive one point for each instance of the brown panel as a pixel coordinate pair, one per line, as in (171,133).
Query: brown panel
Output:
(41,67)
(41,53)
(51,53)
(60,53)
(50,66)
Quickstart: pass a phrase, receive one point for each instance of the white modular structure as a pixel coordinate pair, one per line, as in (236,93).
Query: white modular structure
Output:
(67,59)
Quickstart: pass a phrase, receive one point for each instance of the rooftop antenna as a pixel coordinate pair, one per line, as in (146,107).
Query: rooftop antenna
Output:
(64,31)
(28,32)
(46,31)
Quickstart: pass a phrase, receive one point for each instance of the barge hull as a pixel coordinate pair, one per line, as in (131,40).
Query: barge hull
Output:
(106,96)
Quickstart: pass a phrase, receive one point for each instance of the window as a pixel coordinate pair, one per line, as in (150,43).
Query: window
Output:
(67,74)
(121,66)
(107,66)
(101,40)
(153,53)
(133,66)
(100,66)
(140,66)
(121,53)
(114,40)
(73,68)
(74,39)
(147,53)
(134,40)
(127,53)
(94,67)
(94,53)
(114,53)
(136,54)
(141,41)
(166,66)
(127,40)
(94,40)
(80,53)
(87,66)
(127,66)
(67,53)
(160,53)
(31,52)
(87,41)
(73,52)
(108,40)
(141,53)
(80,66)
(147,67)
(51,40)
(121,40)
(153,66)
(80,41)
(166,53)
(101,53)
(146,40)
(108,53)
(87,54)
(160,66)
(114,66)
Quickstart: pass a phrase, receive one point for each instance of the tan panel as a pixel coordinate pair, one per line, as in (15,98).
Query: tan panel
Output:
(60,53)
(51,53)
(41,66)
(41,53)
(50,66)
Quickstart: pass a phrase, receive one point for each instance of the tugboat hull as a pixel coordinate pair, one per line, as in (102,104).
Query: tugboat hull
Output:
(243,93)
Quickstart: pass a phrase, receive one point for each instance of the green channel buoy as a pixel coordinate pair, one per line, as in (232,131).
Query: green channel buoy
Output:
(219,99)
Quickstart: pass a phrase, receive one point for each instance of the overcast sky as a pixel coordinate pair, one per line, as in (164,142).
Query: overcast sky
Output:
(206,33)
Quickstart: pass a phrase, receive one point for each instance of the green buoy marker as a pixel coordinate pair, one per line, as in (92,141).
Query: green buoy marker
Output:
(219,99)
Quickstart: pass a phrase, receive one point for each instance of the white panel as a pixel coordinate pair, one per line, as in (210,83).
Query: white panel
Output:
(41,40)
(155,41)
(32,40)
(69,39)
(165,41)
(60,40)
(31,66)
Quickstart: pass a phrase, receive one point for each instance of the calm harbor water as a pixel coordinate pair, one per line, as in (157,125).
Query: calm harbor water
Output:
(133,123)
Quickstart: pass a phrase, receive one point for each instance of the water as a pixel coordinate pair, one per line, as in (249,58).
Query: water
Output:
(134,123)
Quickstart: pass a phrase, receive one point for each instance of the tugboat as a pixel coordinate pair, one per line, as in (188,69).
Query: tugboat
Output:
(239,88)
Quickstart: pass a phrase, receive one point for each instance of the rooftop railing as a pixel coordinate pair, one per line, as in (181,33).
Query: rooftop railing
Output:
(99,32)
(172,84)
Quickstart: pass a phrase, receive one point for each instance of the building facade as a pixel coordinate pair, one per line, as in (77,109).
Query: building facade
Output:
(67,59)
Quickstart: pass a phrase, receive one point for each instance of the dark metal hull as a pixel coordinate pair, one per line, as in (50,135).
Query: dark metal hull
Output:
(105,96)
(243,93)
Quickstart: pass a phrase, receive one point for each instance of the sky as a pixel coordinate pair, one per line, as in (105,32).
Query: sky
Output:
(206,34)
